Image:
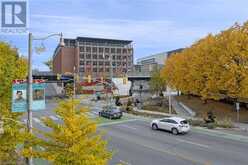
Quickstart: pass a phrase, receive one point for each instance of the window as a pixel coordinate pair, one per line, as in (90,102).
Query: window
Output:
(113,64)
(81,49)
(101,56)
(113,57)
(106,56)
(88,56)
(81,62)
(119,57)
(124,57)
(100,62)
(94,62)
(118,63)
(100,50)
(101,70)
(184,122)
(94,69)
(107,63)
(94,49)
(112,50)
(169,121)
(106,50)
(118,50)
(107,69)
(88,62)
(94,56)
(124,64)
(88,49)
(82,56)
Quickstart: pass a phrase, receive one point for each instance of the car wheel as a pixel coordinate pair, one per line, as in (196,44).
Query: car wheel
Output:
(154,126)
(174,131)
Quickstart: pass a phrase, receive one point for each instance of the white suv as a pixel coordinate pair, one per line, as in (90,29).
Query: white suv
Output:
(174,124)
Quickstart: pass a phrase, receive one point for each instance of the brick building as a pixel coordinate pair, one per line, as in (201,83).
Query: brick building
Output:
(92,56)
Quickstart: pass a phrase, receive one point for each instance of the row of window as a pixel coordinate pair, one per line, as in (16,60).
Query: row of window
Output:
(107,63)
(105,50)
(100,56)
(102,70)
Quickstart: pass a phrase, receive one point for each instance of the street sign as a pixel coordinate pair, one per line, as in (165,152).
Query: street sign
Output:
(19,97)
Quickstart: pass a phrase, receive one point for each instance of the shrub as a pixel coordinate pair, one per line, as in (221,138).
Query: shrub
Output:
(225,123)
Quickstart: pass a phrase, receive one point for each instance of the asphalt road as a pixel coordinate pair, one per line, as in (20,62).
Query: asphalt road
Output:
(134,143)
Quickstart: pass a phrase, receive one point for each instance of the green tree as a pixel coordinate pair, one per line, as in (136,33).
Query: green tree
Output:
(157,82)
(74,141)
(12,67)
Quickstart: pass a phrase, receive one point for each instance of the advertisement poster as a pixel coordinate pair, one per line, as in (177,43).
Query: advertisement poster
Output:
(19,97)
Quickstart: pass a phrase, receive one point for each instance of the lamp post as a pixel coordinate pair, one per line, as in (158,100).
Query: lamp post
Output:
(31,38)
(111,71)
(168,91)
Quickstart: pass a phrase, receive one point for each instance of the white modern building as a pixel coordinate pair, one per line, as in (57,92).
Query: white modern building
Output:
(158,58)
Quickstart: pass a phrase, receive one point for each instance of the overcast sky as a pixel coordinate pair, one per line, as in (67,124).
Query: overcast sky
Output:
(153,25)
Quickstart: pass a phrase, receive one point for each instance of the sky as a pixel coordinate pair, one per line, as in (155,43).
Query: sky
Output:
(153,25)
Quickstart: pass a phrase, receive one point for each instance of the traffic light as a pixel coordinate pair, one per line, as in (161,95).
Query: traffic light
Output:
(58,76)
(89,78)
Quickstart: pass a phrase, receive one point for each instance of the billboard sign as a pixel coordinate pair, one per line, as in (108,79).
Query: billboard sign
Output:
(19,97)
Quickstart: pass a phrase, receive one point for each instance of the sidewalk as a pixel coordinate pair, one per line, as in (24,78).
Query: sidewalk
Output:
(242,126)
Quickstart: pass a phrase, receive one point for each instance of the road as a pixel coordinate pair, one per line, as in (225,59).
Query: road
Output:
(134,143)
(137,144)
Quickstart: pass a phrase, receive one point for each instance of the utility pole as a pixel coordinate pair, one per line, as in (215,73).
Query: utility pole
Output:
(30,91)
(169,94)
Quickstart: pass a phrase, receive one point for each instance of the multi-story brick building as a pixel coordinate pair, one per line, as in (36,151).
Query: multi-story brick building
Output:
(93,56)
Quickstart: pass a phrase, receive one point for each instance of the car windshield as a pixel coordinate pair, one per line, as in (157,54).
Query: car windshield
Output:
(184,122)
(115,110)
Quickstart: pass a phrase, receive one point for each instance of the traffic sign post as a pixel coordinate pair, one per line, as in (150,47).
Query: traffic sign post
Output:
(237,109)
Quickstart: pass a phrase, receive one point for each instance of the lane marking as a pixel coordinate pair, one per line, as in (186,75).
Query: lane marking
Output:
(193,143)
(125,162)
(129,127)
(53,117)
(37,120)
(176,154)
(117,122)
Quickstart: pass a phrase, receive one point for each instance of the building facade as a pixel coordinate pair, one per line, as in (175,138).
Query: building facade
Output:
(96,57)
(158,58)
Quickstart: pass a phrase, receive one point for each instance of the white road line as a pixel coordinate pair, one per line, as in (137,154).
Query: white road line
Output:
(124,162)
(126,126)
(53,117)
(36,120)
(193,143)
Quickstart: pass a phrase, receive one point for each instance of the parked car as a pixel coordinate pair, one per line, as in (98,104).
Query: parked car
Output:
(175,125)
(111,113)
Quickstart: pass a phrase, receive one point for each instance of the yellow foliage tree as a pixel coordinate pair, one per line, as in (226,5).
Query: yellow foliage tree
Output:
(12,66)
(74,141)
(213,67)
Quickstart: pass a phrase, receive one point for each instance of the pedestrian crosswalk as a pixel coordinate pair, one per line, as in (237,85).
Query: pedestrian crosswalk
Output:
(56,118)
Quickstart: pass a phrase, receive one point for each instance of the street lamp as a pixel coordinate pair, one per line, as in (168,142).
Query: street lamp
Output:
(111,70)
(31,38)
